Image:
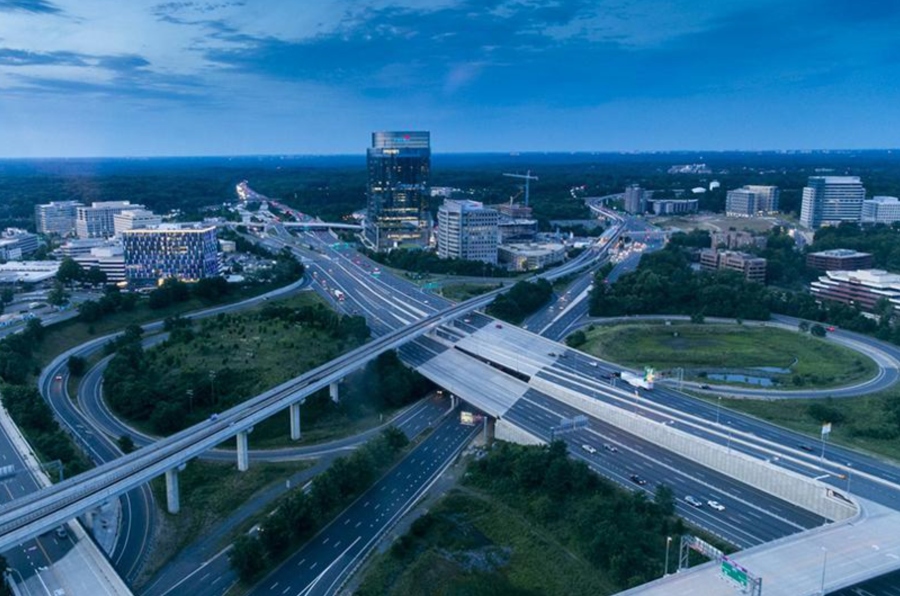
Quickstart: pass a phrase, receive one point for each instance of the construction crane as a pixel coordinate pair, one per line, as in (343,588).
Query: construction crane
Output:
(528,178)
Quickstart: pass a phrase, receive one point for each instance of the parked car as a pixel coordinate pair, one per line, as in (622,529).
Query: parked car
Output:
(693,501)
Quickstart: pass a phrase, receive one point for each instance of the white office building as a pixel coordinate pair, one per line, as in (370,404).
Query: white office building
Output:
(135,219)
(884,210)
(97,221)
(56,217)
(467,230)
(109,258)
(830,200)
(752,200)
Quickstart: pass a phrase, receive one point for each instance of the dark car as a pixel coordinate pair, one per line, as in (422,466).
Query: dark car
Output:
(805,447)
(637,479)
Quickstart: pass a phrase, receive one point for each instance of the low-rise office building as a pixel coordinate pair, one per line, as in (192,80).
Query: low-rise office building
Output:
(674,206)
(109,258)
(863,288)
(16,244)
(733,240)
(530,256)
(884,210)
(752,267)
(839,259)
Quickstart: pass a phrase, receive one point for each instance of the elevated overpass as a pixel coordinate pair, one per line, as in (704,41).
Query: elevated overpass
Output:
(35,514)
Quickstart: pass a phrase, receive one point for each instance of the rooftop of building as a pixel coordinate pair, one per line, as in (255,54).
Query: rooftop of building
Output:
(533,249)
(836,179)
(883,200)
(840,253)
(173,227)
(870,277)
(28,271)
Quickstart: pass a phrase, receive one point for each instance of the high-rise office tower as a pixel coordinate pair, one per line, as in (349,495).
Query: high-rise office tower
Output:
(56,217)
(399,167)
(635,201)
(467,230)
(829,200)
(96,221)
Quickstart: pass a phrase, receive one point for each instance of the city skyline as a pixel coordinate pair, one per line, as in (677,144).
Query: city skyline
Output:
(80,78)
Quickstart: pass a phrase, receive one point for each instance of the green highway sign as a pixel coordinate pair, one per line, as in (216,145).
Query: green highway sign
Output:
(734,572)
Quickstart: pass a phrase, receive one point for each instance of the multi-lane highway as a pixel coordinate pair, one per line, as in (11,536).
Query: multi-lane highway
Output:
(325,562)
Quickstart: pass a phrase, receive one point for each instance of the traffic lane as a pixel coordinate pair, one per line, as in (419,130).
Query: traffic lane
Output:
(214,576)
(320,565)
(789,441)
(621,465)
(651,450)
(739,524)
(785,447)
(656,454)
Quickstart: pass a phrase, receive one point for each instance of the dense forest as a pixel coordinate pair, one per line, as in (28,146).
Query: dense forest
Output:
(332,187)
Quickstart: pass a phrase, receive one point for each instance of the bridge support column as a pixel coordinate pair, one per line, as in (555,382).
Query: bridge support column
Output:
(243,454)
(89,520)
(172,500)
(454,401)
(295,421)
(333,392)
(487,429)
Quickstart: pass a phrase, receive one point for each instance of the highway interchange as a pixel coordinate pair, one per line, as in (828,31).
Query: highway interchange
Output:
(390,302)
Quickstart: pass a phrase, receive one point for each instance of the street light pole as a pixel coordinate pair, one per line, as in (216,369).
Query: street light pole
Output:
(190,396)
(718,407)
(824,564)
(849,477)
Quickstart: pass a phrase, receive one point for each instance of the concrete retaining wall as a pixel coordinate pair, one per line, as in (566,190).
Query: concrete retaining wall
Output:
(790,486)
(505,431)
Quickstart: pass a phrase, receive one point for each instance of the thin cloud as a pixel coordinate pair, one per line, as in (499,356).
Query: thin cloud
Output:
(33,6)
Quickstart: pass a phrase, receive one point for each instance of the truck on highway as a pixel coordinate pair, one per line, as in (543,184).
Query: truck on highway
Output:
(339,295)
(638,381)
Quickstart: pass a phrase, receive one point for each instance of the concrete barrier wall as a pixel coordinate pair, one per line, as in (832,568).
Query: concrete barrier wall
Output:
(506,431)
(790,486)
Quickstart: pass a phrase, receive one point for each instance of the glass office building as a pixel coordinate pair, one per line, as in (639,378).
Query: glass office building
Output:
(185,252)
(399,166)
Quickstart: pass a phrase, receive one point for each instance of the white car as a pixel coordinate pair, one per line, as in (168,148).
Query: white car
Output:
(693,501)
(589,449)
(716,505)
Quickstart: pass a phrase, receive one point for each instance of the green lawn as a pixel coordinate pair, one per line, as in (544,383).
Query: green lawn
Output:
(68,334)
(813,361)
(460,292)
(870,422)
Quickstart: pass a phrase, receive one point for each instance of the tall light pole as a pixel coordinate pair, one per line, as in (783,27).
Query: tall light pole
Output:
(718,407)
(824,564)
(212,384)
(668,544)
(190,396)
(849,477)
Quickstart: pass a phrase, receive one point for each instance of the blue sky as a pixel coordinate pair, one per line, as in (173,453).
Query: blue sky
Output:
(142,77)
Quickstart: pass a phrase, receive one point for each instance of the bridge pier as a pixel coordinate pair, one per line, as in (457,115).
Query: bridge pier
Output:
(295,421)
(172,500)
(333,392)
(89,520)
(243,454)
(454,401)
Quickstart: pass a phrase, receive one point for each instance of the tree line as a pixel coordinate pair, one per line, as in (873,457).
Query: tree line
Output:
(18,364)
(621,532)
(139,385)
(425,261)
(301,513)
(523,299)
